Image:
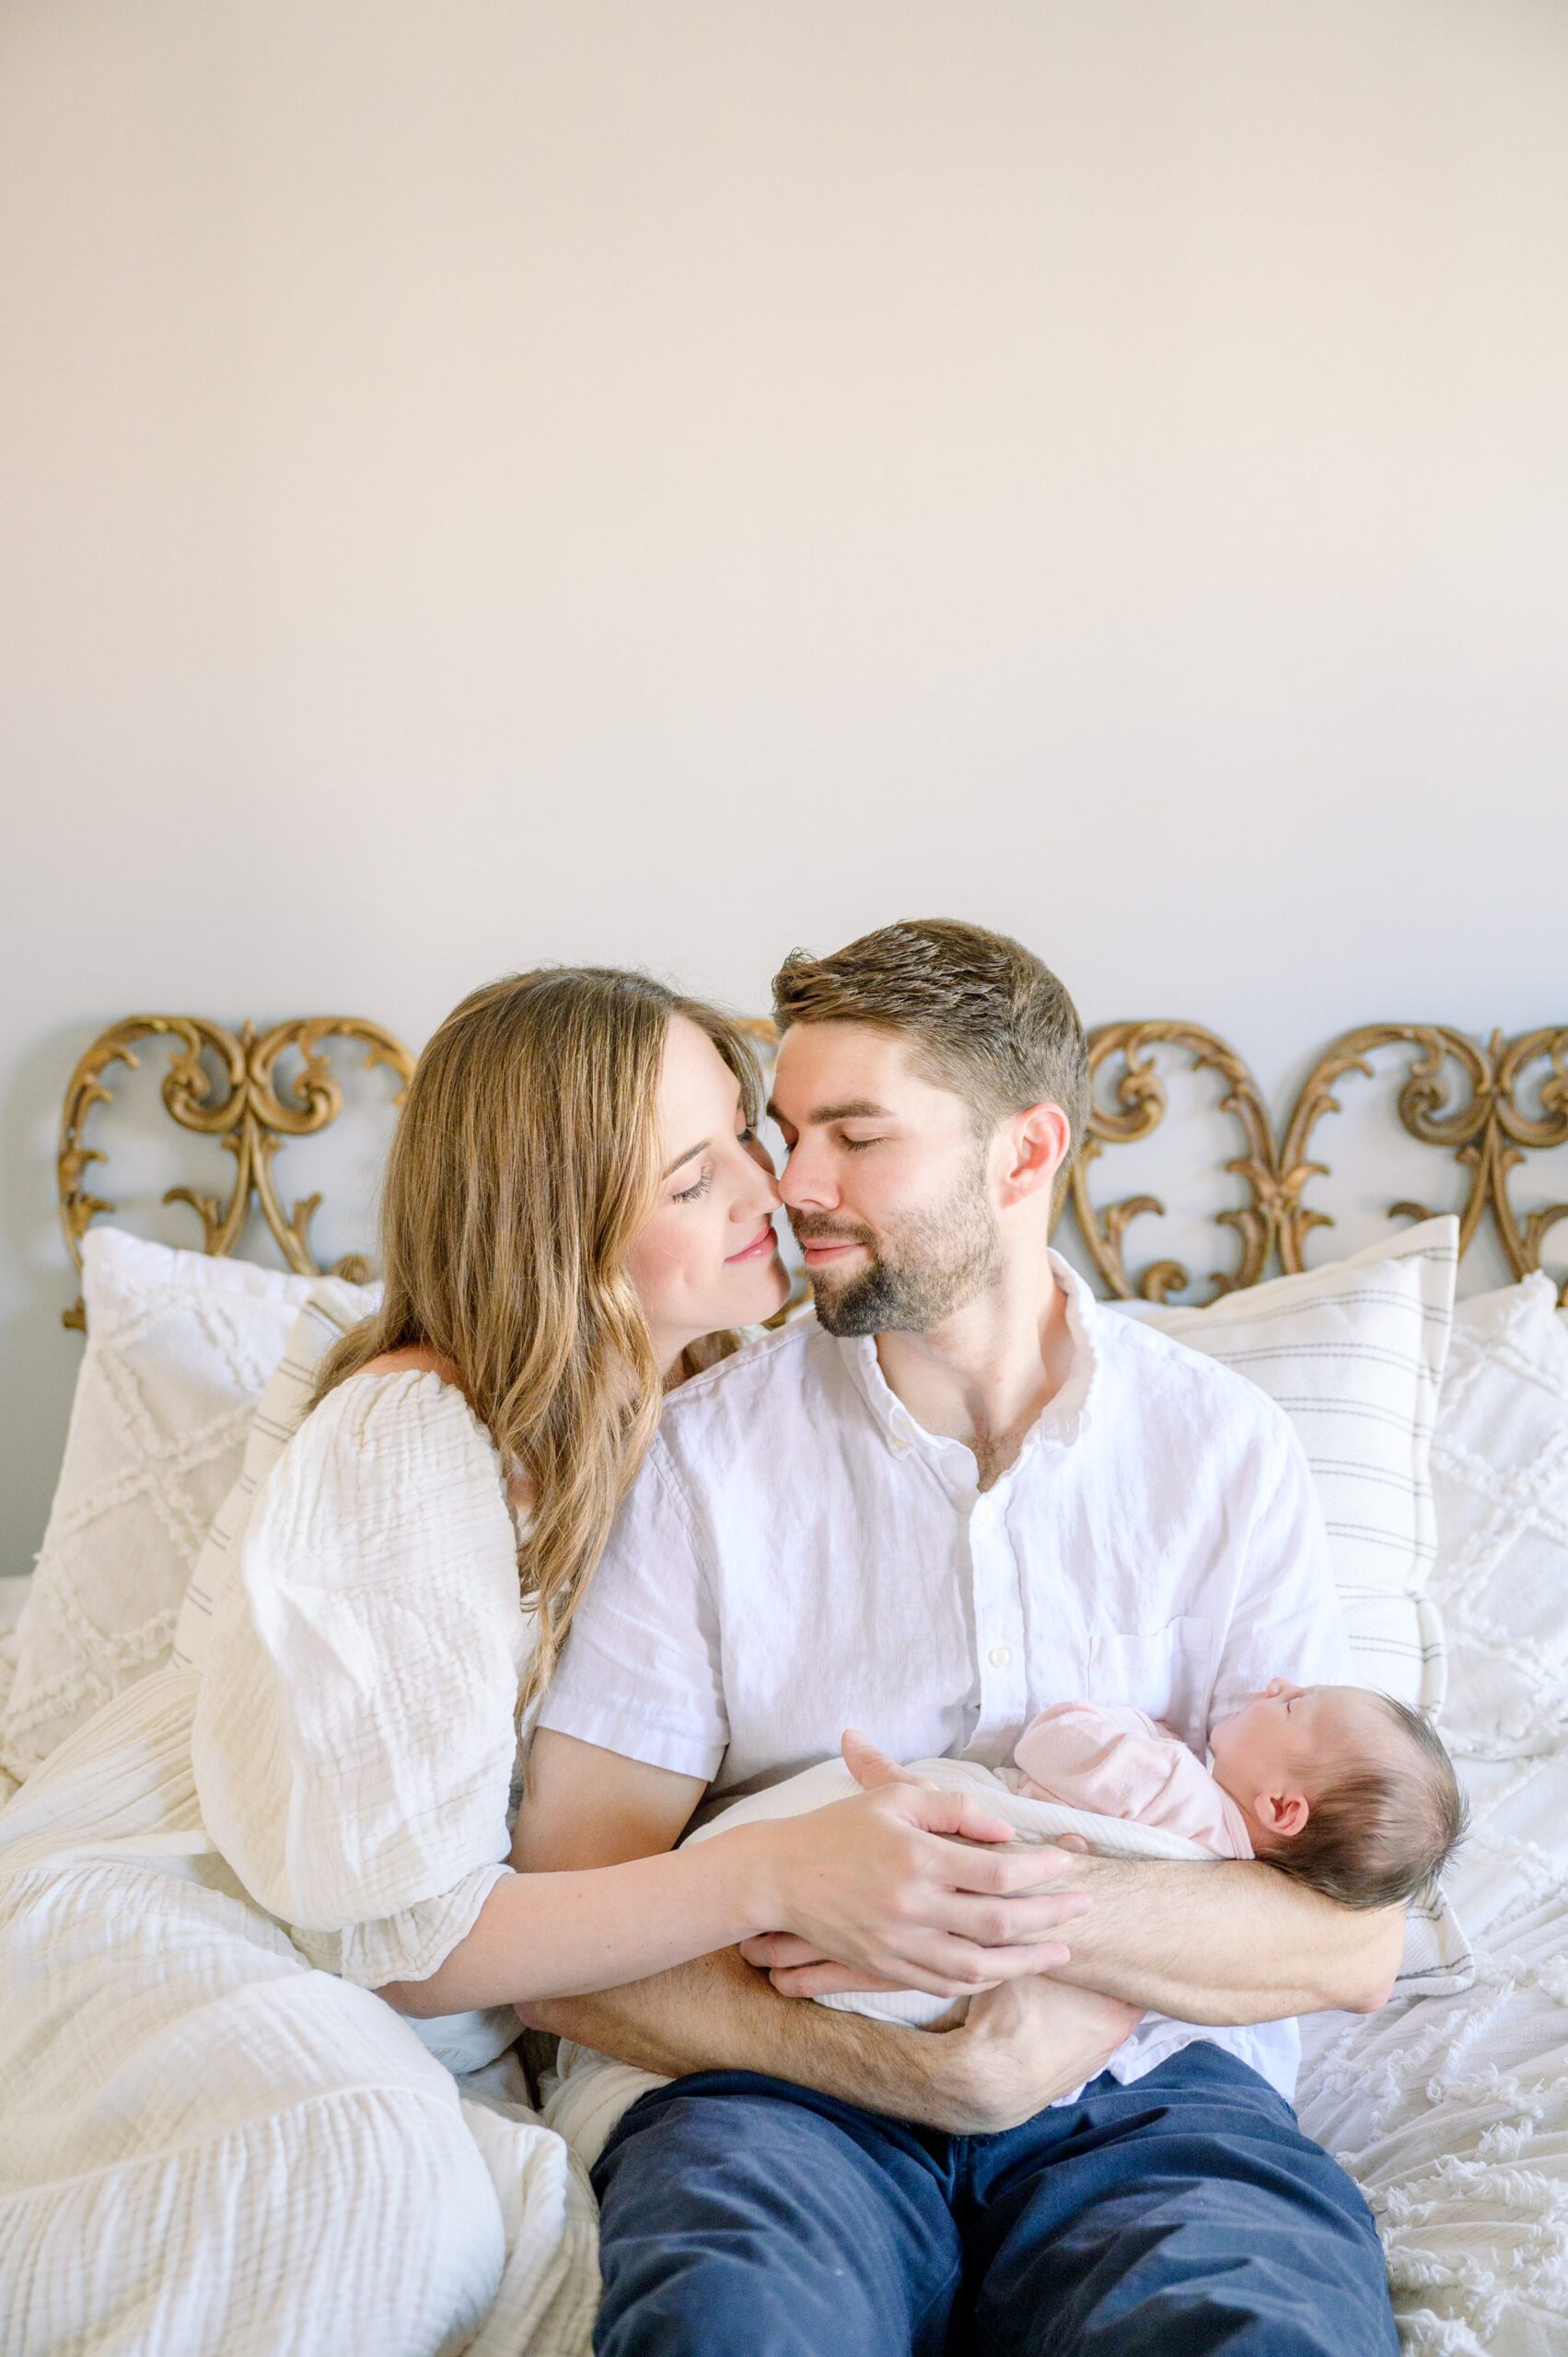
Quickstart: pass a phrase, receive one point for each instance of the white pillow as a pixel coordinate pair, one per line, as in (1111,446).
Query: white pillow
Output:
(1500,1473)
(179,1350)
(331,1308)
(1354,1353)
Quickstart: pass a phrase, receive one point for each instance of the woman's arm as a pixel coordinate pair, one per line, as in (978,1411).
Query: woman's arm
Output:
(878,1879)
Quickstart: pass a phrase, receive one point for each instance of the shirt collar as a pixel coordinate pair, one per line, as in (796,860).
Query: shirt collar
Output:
(1062,1421)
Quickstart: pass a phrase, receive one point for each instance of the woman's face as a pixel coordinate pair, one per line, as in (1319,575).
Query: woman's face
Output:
(707,1256)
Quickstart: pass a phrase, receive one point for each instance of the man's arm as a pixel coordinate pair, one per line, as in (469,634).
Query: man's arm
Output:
(1228,1943)
(1022,2045)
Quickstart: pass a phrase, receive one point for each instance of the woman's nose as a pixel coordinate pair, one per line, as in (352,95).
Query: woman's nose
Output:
(764,1193)
(763,1160)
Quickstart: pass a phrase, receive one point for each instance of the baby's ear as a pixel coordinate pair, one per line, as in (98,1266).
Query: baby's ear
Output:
(1282,1812)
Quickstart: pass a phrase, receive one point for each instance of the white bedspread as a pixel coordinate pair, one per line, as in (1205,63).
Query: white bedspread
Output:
(208,2147)
(1452,2112)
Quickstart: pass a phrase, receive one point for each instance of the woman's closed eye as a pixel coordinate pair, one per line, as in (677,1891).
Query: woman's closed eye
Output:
(694,1193)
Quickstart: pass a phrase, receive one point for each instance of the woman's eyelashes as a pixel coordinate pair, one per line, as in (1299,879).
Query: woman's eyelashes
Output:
(694,1194)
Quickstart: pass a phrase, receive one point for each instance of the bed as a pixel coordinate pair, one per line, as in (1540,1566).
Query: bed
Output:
(1451,2108)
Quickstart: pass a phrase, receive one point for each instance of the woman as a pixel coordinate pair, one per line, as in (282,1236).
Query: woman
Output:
(261,2153)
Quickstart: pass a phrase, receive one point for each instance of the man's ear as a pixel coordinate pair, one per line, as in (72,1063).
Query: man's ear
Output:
(1038,1142)
(1283,1813)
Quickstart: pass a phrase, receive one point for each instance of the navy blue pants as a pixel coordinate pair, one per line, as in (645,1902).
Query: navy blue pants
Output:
(744,2217)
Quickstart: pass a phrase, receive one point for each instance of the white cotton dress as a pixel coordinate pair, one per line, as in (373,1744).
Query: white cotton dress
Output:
(213,2137)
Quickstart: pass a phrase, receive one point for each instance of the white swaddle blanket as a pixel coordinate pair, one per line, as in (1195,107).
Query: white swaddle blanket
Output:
(592,2092)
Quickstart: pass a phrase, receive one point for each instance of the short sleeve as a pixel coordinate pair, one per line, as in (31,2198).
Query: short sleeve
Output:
(640,1672)
(1286,1621)
(354,1733)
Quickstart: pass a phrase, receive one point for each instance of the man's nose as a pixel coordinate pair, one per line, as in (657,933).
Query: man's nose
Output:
(804,1182)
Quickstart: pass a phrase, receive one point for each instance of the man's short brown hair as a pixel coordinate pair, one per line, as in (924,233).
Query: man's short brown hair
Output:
(985,1017)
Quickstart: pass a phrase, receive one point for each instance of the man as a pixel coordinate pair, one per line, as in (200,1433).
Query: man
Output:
(961,1492)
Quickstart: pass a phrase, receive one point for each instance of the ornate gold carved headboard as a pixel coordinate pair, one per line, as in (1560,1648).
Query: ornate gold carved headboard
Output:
(1489,1108)
(1479,1111)
(228,1086)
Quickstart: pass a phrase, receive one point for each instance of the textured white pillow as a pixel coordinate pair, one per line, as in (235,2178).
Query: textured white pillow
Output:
(331,1308)
(1354,1353)
(1500,1475)
(179,1350)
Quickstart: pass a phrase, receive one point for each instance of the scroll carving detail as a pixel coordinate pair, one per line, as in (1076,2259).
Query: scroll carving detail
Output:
(251,1109)
(1140,1106)
(1457,1096)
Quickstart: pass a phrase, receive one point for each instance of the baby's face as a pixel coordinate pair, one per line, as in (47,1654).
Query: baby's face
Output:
(1284,1739)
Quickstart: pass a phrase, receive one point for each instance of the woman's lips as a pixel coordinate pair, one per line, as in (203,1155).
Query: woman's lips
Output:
(760,1247)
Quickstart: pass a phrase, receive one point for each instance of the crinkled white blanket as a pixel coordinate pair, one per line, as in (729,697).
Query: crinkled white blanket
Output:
(192,2112)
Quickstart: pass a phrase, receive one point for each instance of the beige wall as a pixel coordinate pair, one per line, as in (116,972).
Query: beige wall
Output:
(663,480)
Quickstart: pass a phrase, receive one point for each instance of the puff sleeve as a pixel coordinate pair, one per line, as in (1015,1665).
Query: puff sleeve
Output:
(355,1737)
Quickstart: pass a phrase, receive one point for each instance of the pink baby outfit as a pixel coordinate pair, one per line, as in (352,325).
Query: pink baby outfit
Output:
(1115,1762)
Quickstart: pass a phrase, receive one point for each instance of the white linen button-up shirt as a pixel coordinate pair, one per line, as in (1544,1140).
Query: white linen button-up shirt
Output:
(798,1556)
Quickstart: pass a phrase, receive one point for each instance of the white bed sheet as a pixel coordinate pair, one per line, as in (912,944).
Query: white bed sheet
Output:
(1452,2112)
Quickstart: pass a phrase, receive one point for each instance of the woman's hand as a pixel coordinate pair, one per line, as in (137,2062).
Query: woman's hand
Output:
(908,1887)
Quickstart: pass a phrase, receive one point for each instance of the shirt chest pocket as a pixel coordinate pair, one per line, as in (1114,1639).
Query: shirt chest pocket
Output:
(1164,1671)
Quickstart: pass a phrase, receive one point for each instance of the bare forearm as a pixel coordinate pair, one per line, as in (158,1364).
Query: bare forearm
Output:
(717,2015)
(1227,1943)
(554,1934)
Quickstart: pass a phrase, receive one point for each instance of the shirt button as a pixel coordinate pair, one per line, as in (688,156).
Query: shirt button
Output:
(999,1657)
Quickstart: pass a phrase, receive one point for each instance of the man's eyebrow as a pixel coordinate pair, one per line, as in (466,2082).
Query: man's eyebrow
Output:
(854,1109)
(670,1167)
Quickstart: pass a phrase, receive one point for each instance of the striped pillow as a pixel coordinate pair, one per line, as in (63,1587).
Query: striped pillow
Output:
(330,1309)
(1354,1353)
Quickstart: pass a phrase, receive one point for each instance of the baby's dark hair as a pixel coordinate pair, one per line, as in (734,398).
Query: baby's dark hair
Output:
(1377,1835)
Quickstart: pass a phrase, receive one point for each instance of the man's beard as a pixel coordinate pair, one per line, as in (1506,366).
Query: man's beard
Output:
(920,1268)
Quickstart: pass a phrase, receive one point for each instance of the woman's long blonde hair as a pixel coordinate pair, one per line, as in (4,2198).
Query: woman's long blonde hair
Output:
(524,1160)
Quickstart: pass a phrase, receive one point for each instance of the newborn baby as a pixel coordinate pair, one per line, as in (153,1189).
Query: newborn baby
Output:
(1345,1789)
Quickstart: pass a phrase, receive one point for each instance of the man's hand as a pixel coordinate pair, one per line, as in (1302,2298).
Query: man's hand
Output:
(1019,2047)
